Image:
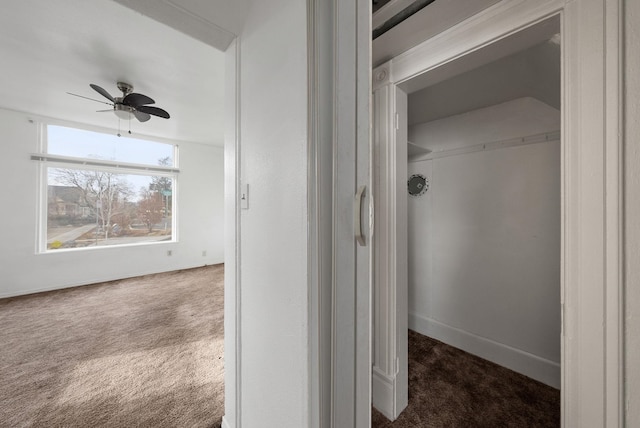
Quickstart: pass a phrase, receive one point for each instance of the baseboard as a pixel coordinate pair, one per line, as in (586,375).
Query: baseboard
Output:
(533,366)
(382,397)
(225,423)
(100,279)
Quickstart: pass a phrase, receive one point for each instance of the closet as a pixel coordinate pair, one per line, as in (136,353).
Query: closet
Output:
(483,213)
(478,215)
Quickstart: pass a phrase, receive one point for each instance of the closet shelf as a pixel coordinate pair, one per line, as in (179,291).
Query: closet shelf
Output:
(427,154)
(414,149)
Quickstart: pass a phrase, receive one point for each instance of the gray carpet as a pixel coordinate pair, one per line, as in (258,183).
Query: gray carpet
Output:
(144,352)
(452,388)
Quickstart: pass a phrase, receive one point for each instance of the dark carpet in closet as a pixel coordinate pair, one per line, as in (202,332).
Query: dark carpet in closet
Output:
(452,388)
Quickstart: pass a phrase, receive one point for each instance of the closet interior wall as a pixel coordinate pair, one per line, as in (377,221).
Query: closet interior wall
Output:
(484,240)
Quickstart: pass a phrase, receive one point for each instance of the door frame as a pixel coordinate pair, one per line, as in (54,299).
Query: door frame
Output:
(592,375)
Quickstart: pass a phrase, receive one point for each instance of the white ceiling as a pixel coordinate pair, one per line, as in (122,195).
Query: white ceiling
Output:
(214,22)
(52,47)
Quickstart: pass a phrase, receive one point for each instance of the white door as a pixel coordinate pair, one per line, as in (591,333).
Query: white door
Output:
(351,389)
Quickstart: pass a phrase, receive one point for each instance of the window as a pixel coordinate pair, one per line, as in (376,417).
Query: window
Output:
(104,190)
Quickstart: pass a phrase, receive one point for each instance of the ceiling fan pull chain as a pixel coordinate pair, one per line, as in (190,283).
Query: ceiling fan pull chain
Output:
(129,123)
(118,127)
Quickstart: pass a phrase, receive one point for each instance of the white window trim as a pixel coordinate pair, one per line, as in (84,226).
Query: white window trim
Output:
(69,162)
(73,162)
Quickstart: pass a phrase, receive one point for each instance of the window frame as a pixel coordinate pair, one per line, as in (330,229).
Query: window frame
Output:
(46,161)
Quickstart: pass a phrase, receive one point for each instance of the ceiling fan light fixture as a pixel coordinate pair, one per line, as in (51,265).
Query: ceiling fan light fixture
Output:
(122,111)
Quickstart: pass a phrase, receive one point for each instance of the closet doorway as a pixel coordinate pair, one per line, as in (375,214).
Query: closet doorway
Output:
(483,212)
(472,185)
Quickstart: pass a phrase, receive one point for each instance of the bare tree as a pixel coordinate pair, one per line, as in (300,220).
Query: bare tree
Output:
(106,193)
(150,208)
(163,184)
(159,183)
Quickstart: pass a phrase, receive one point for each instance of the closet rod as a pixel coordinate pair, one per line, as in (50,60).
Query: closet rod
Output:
(513,142)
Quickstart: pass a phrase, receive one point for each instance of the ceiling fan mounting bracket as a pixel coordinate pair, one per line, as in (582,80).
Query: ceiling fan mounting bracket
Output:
(126,88)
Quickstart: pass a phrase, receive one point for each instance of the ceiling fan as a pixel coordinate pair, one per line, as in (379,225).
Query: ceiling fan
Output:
(129,104)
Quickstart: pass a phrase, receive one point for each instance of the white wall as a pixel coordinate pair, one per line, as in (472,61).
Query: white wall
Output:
(23,271)
(484,242)
(273,322)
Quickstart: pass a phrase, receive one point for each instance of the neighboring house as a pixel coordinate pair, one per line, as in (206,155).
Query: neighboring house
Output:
(67,202)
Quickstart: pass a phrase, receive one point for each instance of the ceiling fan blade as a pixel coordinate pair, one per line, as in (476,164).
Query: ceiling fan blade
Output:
(101,111)
(87,98)
(135,100)
(155,111)
(102,92)
(142,117)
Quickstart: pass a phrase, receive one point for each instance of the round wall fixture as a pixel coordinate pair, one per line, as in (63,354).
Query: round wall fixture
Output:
(417,185)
